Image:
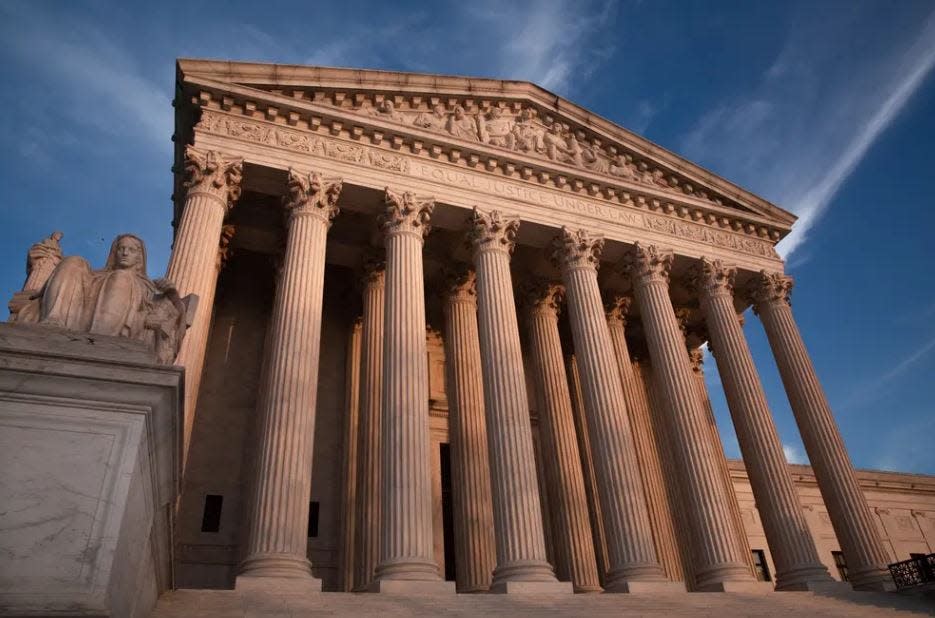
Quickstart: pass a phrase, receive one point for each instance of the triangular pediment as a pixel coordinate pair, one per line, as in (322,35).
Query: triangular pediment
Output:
(513,123)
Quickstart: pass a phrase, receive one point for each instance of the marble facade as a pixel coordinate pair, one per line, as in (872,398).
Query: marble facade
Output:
(448,331)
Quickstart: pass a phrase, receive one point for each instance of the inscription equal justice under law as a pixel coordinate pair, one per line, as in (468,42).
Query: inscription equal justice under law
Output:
(527,194)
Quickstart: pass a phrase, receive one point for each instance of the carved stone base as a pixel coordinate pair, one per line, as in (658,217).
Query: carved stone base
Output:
(412,586)
(284,585)
(741,587)
(89,432)
(661,587)
(514,587)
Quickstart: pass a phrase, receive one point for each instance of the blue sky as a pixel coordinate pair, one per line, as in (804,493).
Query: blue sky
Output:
(825,108)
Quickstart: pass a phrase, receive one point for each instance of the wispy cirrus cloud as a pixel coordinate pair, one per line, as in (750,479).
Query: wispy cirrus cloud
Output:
(107,91)
(802,130)
(872,389)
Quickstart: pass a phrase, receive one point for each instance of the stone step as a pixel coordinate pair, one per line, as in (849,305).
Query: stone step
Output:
(274,603)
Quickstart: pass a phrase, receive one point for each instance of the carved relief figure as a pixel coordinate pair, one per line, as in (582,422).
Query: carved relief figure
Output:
(437,120)
(527,133)
(461,125)
(623,167)
(555,143)
(497,130)
(41,260)
(387,111)
(118,300)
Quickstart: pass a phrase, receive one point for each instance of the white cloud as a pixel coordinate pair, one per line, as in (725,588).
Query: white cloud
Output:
(794,455)
(98,84)
(802,130)
(550,43)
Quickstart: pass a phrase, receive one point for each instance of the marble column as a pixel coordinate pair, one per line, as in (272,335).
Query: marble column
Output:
(718,560)
(278,539)
(633,565)
(475,548)
(674,493)
(349,469)
(574,541)
(696,359)
(587,465)
(212,186)
(522,564)
(847,506)
(790,542)
(651,473)
(407,560)
(368,522)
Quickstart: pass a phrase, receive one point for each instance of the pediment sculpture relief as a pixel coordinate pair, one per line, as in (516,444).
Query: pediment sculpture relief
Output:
(524,131)
(119,300)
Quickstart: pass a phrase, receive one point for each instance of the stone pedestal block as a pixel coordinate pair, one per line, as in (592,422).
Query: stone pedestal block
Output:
(89,473)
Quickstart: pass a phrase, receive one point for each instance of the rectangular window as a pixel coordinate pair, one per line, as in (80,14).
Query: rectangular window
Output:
(312,520)
(759,563)
(841,564)
(211,518)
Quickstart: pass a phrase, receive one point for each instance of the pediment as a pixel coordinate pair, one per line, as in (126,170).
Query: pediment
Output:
(488,123)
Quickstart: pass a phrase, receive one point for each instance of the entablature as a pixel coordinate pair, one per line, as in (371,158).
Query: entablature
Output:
(516,130)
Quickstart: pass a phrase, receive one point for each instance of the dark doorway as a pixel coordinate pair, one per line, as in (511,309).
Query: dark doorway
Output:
(448,531)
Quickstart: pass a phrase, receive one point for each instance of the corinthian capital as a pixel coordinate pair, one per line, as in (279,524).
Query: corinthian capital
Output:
(577,249)
(461,283)
(618,309)
(648,263)
(712,277)
(493,230)
(406,213)
(312,194)
(768,288)
(543,297)
(208,171)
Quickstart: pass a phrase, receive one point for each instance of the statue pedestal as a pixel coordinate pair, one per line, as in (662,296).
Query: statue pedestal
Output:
(89,473)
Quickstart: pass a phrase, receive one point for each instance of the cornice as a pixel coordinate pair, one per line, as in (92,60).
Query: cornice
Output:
(879,480)
(307,116)
(291,99)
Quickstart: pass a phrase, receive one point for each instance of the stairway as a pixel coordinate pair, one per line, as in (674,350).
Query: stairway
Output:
(274,603)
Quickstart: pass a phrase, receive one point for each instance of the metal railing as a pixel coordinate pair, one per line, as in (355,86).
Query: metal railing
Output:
(913,572)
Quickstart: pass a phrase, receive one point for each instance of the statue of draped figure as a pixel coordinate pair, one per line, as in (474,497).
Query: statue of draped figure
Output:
(119,300)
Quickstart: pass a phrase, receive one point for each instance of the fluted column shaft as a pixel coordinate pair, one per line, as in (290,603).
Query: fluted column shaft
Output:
(587,466)
(475,548)
(349,470)
(717,556)
(557,429)
(630,548)
(368,525)
(407,543)
(212,185)
(674,493)
(696,358)
(278,540)
(521,554)
(787,532)
(660,516)
(847,506)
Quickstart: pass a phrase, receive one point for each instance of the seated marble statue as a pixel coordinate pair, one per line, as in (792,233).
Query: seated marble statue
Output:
(119,300)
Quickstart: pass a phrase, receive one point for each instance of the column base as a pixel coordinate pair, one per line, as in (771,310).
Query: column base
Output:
(749,587)
(638,587)
(280,566)
(283,585)
(544,587)
(412,586)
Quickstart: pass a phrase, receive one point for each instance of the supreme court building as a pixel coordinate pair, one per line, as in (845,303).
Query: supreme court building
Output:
(448,335)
